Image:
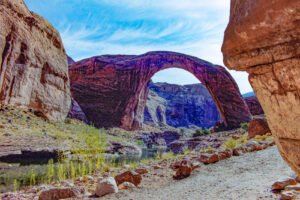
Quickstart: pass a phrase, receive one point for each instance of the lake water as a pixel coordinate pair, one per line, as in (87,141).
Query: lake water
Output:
(16,172)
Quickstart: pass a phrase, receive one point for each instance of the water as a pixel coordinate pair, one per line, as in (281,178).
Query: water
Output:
(16,172)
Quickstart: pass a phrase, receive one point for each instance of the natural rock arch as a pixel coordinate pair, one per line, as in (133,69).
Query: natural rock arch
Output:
(112,90)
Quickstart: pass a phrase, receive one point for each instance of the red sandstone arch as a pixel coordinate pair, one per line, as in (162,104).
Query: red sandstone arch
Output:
(112,89)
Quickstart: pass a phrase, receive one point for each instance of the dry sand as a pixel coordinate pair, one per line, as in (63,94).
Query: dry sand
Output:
(245,177)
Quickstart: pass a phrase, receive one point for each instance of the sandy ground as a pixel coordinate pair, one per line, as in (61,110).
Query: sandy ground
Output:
(245,177)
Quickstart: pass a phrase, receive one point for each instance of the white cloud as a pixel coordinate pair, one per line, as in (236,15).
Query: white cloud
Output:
(186,26)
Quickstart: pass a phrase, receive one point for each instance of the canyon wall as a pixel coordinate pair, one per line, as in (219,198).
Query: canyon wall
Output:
(33,62)
(180,106)
(263,38)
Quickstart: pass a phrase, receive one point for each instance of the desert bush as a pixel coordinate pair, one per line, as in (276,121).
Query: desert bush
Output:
(242,139)
(245,126)
(67,121)
(200,132)
(168,155)
(139,142)
(231,143)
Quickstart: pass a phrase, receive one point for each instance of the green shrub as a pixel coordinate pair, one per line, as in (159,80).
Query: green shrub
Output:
(67,121)
(200,132)
(231,143)
(139,142)
(245,126)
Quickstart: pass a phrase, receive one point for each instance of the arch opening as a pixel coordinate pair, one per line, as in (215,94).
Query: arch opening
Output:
(177,98)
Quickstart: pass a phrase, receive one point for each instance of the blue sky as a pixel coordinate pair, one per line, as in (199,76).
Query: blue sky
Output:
(97,27)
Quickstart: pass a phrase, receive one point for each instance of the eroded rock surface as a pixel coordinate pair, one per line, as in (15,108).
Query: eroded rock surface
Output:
(258,126)
(263,38)
(180,106)
(33,62)
(76,112)
(254,105)
(112,89)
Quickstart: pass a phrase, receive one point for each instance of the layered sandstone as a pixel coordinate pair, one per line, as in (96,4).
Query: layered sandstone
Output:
(254,105)
(263,38)
(33,62)
(76,112)
(112,89)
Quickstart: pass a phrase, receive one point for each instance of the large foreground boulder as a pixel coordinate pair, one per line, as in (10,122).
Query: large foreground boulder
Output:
(106,186)
(258,126)
(263,38)
(33,62)
(61,193)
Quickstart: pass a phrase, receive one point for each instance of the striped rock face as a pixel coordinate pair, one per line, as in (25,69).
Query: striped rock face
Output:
(112,90)
(33,62)
(263,38)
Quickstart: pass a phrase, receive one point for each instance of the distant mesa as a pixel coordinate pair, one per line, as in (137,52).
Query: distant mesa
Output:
(112,90)
(174,105)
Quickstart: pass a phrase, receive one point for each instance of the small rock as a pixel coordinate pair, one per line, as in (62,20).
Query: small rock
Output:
(184,170)
(7,134)
(287,195)
(67,183)
(60,193)
(141,171)
(90,178)
(106,186)
(126,185)
(282,183)
(293,187)
(129,176)
(127,166)
(209,158)
(157,167)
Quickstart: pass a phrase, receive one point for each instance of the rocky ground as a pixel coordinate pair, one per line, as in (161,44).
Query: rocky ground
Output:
(248,177)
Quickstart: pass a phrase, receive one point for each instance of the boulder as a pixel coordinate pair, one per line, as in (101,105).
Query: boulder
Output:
(293,187)
(122,148)
(126,186)
(289,195)
(117,87)
(106,186)
(141,171)
(258,126)
(184,169)
(262,38)
(282,183)
(60,193)
(207,158)
(129,176)
(33,62)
